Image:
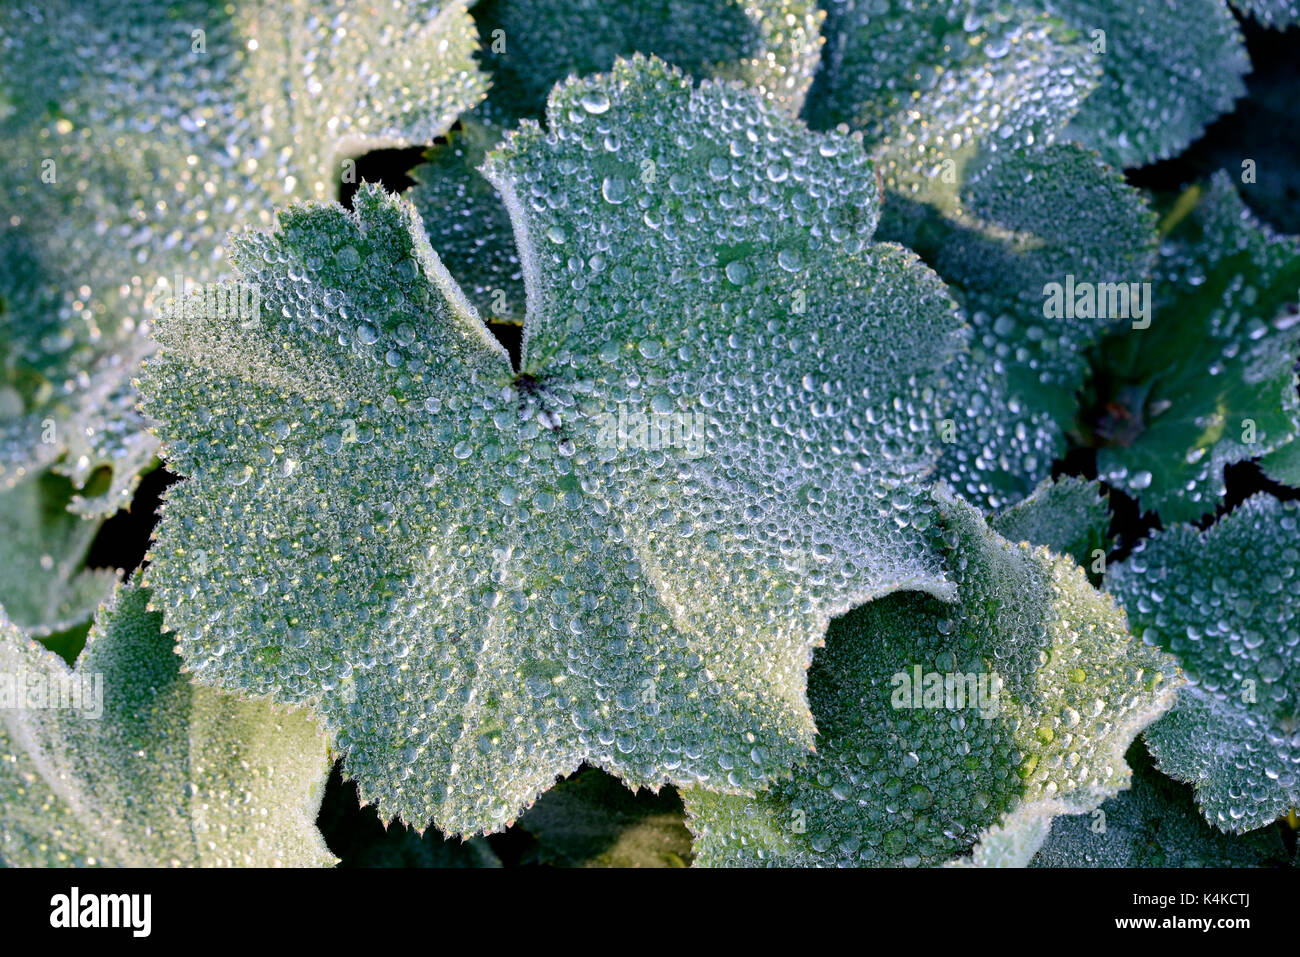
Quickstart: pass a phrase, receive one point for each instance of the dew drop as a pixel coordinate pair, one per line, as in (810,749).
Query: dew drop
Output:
(595,102)
(737,273)
(614,189)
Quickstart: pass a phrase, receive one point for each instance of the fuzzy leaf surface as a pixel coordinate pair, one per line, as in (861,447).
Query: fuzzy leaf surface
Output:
(895,784)
(962,103)
(466,221)
(1278,14)
(480,578)
(168,775)
(1223,601)
(1068,515)
(772,46)
(142,132)
(1155,823)
(926,68)
(1027,221)
(362,840)
(44,584)
(1169,69)
(1283,464)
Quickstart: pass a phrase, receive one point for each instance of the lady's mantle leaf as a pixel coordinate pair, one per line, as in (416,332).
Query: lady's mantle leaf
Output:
(1053,690)
(44,584)
(773,46)
(165,775)
(1211,381)
(1028,222)
(1154,823)
(1013,841)
(137,134)
(947,71)
(1271,13)
(1223,601)
(1283,465)
(1068,515)
(962,103)
(624,554)
(1169,68)
(66,400)
(467,223)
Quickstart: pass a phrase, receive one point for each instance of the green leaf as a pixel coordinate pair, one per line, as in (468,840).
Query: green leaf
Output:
(1012,842)
(1064,691)
(109,452)
(44,584)
(773,46)
(591,820)
(1170,68)
(139,133)
(66,399)
(165,774)
(1271,13)
(1014,224)
(1068,515)
(963,103)
(1028,221)
(1223,601)
(1211,381)
(937,76)
(1154,823)
(1283,464)
(468,224)
(474,577)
